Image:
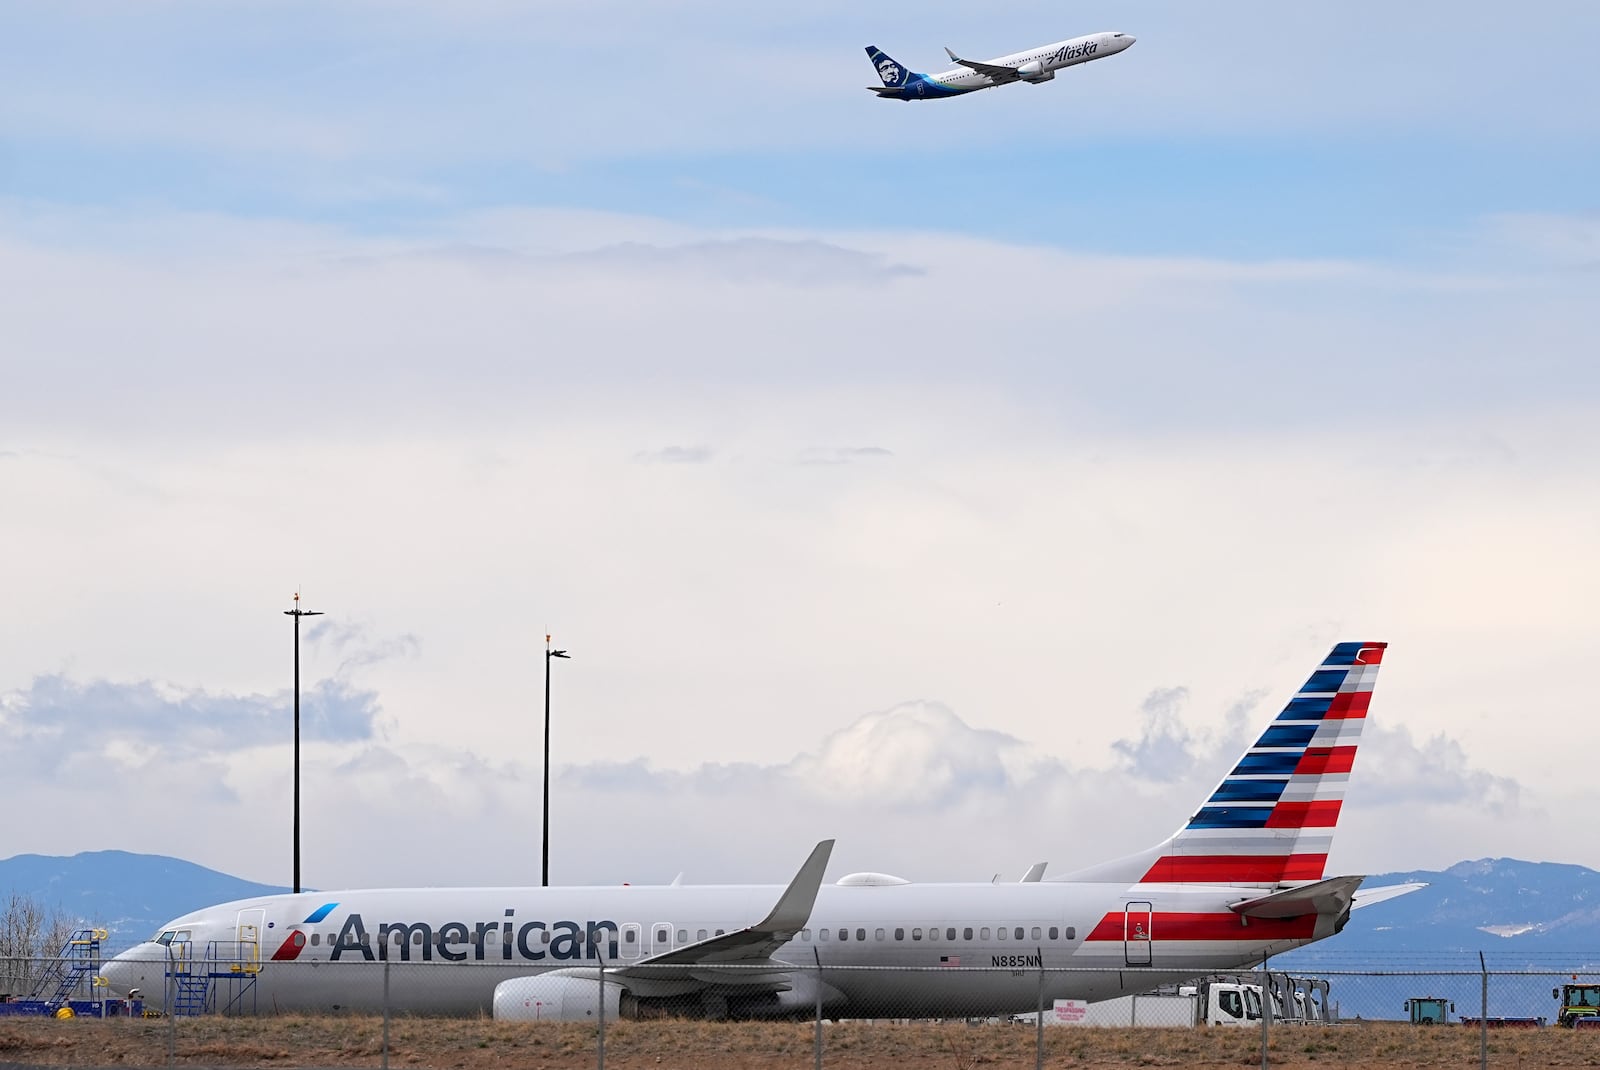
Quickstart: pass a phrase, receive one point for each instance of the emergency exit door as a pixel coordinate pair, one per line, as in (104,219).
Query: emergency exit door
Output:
(1137,937)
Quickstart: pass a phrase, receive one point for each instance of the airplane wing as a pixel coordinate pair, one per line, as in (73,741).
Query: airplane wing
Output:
(992,70)
(750,947)
(1368,896)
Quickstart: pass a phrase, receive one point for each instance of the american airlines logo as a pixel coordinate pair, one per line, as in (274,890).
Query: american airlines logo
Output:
(456,941)
(1066,52)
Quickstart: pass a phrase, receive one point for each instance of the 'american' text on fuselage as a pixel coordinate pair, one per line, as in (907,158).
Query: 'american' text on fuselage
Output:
(566,940)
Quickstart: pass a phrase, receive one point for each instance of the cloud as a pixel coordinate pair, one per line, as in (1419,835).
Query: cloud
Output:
(1163,751)
(56,720)
(1397,771)
(490,259)
(892,786)
(1226,346)
(914,755)
(357,647)
(1200,475)
(825,455)
(746,261)
(675,455)
(1563,242)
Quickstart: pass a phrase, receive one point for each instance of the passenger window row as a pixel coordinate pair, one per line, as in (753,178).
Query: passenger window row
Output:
(947,933)
(843,934)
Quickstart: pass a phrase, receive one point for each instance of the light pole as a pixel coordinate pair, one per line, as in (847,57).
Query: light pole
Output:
(548,654)
(297,613)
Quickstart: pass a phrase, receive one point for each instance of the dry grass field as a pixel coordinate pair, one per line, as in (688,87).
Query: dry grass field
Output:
(673,1045)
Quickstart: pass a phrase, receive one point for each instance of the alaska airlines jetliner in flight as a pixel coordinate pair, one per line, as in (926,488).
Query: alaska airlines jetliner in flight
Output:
(1035,65)
(1243,878)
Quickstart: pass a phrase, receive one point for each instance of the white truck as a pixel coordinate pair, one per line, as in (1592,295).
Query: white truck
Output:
(1224,1000)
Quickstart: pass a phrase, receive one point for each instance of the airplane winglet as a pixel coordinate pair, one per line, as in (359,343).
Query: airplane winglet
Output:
(1035,873)
(953,57)
(793,909)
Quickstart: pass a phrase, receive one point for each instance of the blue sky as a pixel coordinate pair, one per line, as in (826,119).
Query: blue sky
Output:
(1243,130)
(808,420)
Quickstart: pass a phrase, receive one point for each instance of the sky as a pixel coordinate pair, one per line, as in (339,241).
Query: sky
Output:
(964,480)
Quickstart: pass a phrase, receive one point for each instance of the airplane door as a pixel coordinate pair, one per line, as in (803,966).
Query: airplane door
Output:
(248,933)
(630,940)
(1137,936)
(660,937)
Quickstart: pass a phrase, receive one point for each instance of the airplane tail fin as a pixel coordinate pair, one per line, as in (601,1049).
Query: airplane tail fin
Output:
(894,75)
(1272,818)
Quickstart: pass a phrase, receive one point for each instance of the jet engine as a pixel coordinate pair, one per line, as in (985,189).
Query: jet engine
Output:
(1033,71)
(559,996)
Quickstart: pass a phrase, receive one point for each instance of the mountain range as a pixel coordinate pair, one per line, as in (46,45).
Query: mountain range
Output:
(129,895)
(1517,912)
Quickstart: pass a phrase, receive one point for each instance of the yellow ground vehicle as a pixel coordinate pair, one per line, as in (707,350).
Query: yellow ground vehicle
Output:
(1578,1001)
(1429,1010)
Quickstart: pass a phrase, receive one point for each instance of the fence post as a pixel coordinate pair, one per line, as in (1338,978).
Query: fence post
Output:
(600,1056)
(1038,1040)
(385,1014)
(1483,1020)
(172,1009)
(818,959)
(1266,1010)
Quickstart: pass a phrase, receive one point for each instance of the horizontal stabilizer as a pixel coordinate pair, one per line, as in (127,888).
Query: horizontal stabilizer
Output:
(1331,897)
(1368,896)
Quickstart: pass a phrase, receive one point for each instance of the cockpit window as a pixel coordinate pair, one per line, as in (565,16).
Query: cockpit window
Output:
(166,937)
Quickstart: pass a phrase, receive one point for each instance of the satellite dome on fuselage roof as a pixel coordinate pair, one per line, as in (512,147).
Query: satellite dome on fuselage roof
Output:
(870,880)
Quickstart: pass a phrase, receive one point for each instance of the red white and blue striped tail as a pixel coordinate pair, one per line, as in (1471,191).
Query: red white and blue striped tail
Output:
(1271,820)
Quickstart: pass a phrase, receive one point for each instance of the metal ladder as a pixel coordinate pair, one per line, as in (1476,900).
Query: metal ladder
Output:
(234,964)
(79,960)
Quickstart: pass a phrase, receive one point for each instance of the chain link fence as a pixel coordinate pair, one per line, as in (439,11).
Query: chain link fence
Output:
(242,1012)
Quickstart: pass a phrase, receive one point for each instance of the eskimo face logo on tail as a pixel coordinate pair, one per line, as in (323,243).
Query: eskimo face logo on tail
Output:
(889,71)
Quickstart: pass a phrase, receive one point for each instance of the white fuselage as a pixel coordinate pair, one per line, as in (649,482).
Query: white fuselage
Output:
(449,948)
(1052,57)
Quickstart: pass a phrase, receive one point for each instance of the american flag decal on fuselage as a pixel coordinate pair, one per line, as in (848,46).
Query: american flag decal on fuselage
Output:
(1272,818)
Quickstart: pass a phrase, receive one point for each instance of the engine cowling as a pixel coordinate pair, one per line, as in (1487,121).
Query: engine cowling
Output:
(556,997)
(1033,71)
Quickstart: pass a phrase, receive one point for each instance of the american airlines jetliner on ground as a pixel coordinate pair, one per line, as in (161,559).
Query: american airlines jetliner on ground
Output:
(1035,65)
(1243,878)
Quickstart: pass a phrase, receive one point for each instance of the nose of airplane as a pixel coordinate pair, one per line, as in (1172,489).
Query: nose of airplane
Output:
(141,968)
(1128,40)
